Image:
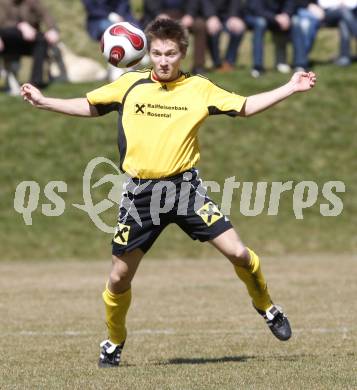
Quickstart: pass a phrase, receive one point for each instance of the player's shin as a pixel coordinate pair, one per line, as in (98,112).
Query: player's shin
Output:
(254,280)
(116,307)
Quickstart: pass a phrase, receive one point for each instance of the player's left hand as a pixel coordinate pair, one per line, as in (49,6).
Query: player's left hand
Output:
(32,94)
(303,81)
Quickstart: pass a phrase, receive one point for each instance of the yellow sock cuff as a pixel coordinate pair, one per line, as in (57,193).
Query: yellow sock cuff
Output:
(110,296)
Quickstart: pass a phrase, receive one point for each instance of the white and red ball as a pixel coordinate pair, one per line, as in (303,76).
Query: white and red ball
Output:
(123,44)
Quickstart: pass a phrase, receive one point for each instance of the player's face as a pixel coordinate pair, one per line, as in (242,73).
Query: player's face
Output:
(166,58)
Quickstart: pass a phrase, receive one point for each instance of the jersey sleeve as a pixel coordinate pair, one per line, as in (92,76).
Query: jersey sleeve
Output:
(219,101)
(110,96)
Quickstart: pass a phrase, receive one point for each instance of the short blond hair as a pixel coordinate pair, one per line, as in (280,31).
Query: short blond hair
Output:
(165,28)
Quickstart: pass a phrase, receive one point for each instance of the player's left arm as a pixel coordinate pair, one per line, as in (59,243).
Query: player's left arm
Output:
(299,82)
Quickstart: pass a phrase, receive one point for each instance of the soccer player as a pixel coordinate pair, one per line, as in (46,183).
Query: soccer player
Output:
(160,111)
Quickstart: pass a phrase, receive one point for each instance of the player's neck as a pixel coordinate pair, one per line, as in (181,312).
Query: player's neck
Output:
(157,78)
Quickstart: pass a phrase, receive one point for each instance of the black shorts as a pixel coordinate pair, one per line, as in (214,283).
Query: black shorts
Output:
(147,206)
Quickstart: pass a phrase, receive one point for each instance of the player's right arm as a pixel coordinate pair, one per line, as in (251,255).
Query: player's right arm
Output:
(75,107)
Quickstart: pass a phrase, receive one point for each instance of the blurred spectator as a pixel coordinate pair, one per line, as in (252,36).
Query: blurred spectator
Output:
(26,28)
(342,13)
(191,15)
(103,13)
(274,15)
(305,25)
(227,16)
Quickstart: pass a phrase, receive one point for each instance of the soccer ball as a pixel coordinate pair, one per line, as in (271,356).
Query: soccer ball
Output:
(123,44)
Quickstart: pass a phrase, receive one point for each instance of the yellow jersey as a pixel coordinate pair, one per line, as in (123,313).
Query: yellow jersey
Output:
(159,121)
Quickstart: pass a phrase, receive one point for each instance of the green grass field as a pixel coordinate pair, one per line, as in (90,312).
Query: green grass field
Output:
(191,326)
(309,137)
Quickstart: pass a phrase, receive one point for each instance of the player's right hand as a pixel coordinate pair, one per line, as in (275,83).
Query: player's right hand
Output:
(31,94)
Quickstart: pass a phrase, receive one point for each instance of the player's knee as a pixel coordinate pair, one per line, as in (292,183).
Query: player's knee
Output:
(119,279)
(120,273)
(241,256)
(260,23)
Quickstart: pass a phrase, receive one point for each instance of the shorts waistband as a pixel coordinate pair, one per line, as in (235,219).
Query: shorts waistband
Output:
(185,176)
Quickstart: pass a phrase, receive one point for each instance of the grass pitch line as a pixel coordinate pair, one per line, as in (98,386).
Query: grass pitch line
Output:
(74,333)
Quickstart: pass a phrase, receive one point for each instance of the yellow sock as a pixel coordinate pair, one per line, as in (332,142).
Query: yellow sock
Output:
(116,307)
(255,282)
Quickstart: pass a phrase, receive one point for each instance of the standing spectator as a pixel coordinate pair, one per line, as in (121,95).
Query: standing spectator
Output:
(227,16)
(103,13)
(274,15)
(191,15)
(26,28)
(342,13)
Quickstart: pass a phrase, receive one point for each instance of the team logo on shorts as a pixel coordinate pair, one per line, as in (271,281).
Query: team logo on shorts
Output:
(210,213)
(121,235)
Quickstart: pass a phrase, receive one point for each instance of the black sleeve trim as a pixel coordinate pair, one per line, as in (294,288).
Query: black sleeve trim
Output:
(213,110)
(106,108)
(121,132)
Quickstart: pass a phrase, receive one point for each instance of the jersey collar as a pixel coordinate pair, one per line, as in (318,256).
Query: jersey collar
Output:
(154,78)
